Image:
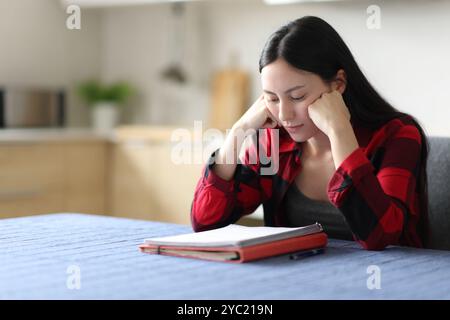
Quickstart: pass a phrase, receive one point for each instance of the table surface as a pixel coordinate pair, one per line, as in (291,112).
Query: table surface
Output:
(40,255)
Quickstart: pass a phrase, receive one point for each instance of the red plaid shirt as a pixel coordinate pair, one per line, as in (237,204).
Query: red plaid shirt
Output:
(374,187)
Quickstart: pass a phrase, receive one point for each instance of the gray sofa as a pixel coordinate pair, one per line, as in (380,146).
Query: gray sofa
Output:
(438,170)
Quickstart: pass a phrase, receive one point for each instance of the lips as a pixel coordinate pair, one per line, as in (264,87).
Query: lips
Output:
(294,128)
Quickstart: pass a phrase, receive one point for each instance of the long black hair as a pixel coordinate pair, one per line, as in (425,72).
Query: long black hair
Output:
(311,44)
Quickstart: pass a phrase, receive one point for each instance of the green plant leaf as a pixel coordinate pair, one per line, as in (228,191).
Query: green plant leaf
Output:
(93,91)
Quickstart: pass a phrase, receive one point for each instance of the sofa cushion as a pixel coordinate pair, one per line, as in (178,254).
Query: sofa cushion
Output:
(438,171)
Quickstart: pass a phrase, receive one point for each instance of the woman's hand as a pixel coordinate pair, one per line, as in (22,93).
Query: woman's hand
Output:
(329,112)
(257,116)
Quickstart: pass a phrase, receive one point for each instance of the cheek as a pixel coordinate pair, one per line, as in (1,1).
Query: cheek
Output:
(301,112)
(300,109)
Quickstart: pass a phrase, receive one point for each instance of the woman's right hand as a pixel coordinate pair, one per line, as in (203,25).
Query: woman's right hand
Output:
(257,116)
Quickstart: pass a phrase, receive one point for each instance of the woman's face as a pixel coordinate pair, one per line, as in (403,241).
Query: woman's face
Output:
(288,92)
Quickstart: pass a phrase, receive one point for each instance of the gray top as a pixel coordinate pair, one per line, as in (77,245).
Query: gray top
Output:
(301,211)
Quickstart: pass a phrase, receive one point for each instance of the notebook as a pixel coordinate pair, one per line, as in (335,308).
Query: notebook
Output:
(236,243)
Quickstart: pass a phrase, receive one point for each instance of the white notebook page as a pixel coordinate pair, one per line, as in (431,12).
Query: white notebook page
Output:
(234,235)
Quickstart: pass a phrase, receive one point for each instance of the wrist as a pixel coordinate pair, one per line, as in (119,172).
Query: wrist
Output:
(236,128)
(339,130)
(239,126)
(343,143)
(242,130)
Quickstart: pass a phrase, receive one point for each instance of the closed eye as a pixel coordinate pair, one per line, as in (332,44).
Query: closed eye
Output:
(272,100)
(292,98)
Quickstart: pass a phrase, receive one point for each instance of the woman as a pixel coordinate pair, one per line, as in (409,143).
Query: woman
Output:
(346,157)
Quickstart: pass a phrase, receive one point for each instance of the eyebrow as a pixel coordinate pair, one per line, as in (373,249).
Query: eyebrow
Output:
(287,91)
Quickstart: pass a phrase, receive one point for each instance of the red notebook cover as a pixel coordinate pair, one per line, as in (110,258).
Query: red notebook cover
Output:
(245,253)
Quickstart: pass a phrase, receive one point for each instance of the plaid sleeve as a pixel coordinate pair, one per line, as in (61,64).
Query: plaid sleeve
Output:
(218,202)
(378,203)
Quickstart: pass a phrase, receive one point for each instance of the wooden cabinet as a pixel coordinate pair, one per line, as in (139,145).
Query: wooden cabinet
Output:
(86,178)
(147,184)
(134,178)
(46,177)
(31,179)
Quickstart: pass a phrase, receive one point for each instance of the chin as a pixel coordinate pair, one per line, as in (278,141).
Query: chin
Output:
(302,136)
(299,137)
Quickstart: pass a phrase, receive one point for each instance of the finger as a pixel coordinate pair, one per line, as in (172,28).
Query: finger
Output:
(310,109)
(269,123)
(270,114)
(273,125)
(327,93)
(274,119)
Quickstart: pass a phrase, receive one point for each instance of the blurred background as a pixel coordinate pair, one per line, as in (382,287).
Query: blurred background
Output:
(92,90)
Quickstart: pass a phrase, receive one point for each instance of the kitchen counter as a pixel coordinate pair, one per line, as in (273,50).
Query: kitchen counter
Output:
(121,134)
(52,135)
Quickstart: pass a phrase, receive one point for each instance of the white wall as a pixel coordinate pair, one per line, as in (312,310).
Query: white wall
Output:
(137,45)
(36,49)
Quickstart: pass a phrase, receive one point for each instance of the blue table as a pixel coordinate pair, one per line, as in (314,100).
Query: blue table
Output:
(39,254)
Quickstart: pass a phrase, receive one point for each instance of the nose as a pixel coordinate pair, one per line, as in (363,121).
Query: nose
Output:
(286,112)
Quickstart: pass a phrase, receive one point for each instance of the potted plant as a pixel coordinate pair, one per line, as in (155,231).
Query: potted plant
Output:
(104,101)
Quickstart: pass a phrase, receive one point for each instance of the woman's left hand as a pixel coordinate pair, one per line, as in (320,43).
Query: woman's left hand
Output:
(329,112)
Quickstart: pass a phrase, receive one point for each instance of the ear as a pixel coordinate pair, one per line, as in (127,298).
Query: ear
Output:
(340,81)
